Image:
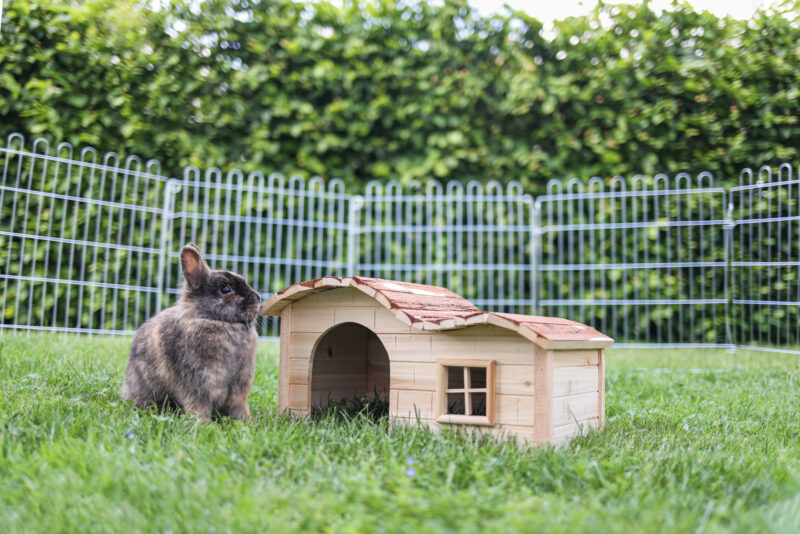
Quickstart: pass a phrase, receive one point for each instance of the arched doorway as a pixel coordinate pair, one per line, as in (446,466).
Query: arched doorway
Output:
(349,364)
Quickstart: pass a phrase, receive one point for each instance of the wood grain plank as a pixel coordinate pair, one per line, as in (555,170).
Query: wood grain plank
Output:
(425,376)
(283,363)
(364,316)
(464,420)
(305,301)
(526,411)
(412,348)
(523,435)
(574,408)
(514,410)
(299,398)
(574,380)
(506,409)
(444,345)
(362,299)
(543,382)
(401,375)
(393,399)
(301,344)
(562,434)
(574,358)
(505,349)
(410,403)
(601,383)
(311,319)
(515,379)
(299,371)
(340,297)
(387,323)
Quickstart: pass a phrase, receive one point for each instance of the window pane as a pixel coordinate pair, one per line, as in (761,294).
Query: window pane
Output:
(455,378)
(478,403)
(477,377)
(455,403)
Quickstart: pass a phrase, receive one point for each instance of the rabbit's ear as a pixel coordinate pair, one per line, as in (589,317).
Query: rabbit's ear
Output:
(193,265)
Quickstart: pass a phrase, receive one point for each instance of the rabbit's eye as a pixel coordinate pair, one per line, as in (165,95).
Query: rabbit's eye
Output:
(225,290)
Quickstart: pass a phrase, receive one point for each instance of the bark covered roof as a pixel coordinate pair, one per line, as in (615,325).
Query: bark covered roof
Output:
(436,308)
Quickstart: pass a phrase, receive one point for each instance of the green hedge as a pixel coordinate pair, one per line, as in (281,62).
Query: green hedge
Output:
(402,92)
(387,90)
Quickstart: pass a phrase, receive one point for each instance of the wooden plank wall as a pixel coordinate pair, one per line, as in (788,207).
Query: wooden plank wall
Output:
(412,357)
(577,392)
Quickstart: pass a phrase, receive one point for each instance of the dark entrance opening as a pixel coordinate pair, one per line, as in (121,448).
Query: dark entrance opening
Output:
(350,371)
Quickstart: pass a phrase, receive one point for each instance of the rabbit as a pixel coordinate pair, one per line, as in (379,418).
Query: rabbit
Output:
(199,354)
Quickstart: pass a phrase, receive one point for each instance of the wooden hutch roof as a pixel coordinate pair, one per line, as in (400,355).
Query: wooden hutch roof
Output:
(435,308)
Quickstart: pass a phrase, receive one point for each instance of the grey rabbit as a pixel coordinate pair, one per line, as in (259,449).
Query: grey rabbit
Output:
(199,354)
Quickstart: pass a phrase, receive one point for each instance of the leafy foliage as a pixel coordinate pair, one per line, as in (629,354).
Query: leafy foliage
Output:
(392,90)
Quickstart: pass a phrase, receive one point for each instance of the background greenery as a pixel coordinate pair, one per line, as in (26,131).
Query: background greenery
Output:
(395,91)
(385,89)
(696,441)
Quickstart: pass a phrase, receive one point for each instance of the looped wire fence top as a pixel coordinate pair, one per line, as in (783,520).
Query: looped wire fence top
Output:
(765,259)
(643,258)
(89,243)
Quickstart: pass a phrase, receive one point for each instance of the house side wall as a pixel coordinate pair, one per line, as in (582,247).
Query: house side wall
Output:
(414,372)
(412,356)
(312,316)
(543,377)
(577,392)
(284,379)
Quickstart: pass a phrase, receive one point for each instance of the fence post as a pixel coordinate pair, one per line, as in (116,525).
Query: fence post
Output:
(730,224)
(354,233)
(167,212)
(536,248)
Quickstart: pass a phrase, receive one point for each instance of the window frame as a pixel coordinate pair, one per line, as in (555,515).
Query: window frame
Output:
(442,390)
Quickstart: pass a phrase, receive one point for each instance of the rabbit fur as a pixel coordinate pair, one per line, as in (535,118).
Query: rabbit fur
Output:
(199,354)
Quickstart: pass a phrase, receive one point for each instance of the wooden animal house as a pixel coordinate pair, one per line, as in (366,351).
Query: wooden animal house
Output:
(438,358)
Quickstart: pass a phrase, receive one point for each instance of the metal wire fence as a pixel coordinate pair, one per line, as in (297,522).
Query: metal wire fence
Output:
(90,244)
(765,259)
(272,230)
(643,258)
(474,239)
(79,239)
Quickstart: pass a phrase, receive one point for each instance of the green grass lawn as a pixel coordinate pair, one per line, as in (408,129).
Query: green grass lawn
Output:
(683,451)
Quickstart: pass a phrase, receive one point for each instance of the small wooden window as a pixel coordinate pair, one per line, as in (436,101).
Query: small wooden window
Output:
(465,391)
